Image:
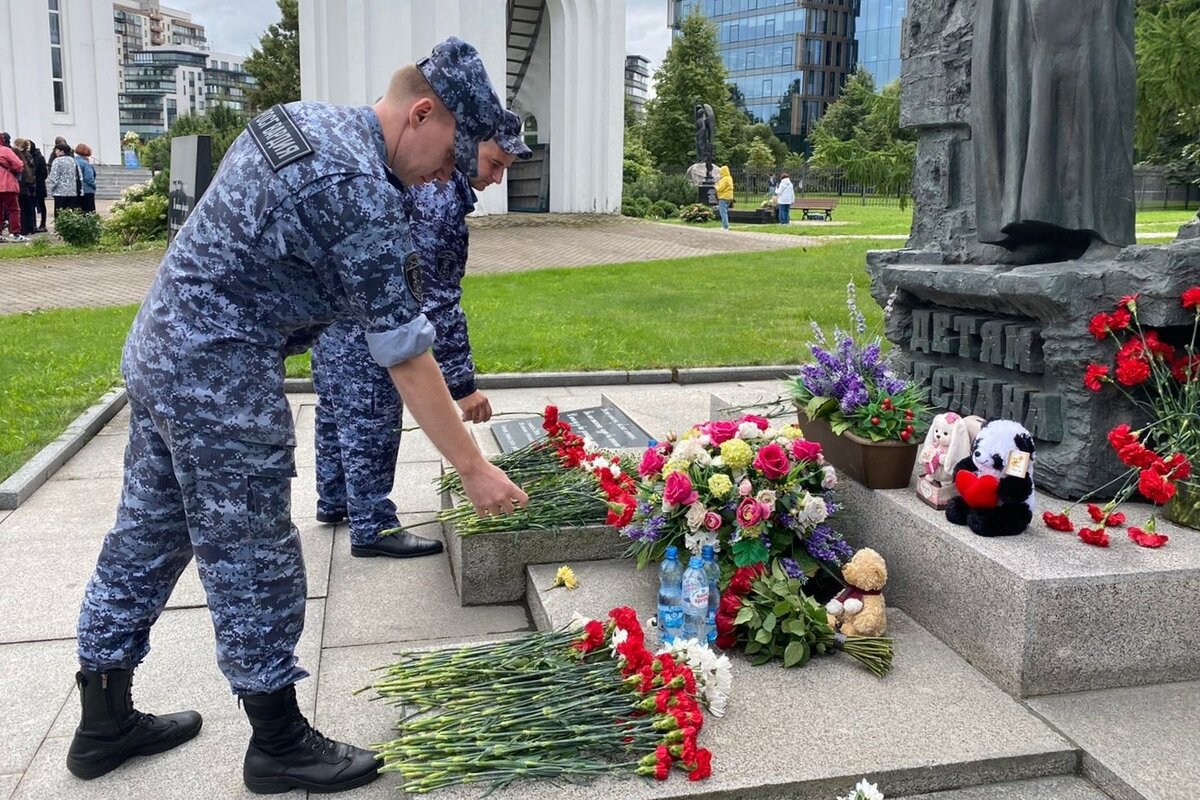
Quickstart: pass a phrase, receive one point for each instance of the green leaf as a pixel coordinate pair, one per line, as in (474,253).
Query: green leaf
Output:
(782,608)
(743,616)
(769,623)
(795,654)
(777,571)
(762,636)
(752,648)
(795,627)
(749,551)
(807,563)
(762,659)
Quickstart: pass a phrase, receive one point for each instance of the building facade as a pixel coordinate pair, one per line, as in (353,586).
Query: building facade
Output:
(226,82)
(164,81)
(58,74)
(637,82)
(786,60)
(880,27)
(558,63)
(140,24)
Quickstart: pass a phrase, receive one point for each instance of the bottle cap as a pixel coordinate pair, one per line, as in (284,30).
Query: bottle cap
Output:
(672,552)
(696,563)
(707,552)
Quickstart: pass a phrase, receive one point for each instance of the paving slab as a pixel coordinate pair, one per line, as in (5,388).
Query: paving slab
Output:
(118,425)
(316,541)
(1060,788)
(1061,615)
(1140,743)
(376,600)
(180,672)
(305,453)
(413,490)
(934,723)
(36,678)
(102,457)
(8,784)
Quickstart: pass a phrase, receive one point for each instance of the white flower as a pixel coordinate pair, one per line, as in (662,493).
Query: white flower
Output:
(695,516)
(687,450)
(704,439)
(867,791)
(618,636)
(590,446)
(578,621)
(767,498)
(770,433)
(704,458)
(614,470)
(815,510)
(713,673)
(748,430)
(830,479)
(696,540)
(717,461)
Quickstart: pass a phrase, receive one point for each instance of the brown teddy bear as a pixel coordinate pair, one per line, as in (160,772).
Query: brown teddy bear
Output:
(859,610)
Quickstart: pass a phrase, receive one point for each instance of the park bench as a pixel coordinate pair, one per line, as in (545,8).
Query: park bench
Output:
(815,209)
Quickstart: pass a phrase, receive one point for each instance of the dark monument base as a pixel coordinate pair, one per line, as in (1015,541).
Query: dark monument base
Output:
(1012,342)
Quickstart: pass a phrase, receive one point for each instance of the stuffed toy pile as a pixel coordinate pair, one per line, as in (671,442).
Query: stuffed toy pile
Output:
(995,482)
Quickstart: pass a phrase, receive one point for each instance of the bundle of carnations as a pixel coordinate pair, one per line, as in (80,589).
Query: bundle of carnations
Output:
(1163,382)
(573,705)
(762,497)
(570,482)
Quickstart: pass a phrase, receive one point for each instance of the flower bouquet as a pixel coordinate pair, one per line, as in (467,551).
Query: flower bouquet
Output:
(1162,381)
(851,388)
(574,705)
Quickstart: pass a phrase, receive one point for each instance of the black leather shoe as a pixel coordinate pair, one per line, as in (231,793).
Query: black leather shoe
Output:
(111,730)
(398,545)
(286,752)
(332,518)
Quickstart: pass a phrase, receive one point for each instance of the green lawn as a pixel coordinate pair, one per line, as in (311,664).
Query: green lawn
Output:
(715,310)
(43,246)
(1164,220)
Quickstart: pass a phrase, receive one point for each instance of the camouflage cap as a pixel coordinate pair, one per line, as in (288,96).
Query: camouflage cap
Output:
(456,72)
(508,136)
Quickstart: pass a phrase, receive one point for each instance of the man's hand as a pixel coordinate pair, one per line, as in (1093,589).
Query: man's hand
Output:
(475,408)
(490,490)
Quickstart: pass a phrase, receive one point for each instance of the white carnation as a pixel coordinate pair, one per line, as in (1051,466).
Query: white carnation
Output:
(748,430)
(713,673)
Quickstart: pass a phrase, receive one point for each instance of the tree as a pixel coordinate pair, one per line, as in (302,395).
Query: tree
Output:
(761,156)
(275,63)
(1168,78)
(222,123)
(865,140)
(691,72)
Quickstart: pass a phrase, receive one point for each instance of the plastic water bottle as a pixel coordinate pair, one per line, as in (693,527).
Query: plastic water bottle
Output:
(713,571)
(670,596)
(695,601)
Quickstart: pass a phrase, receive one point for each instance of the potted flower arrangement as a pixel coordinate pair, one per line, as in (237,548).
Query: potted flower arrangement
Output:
(868,419)
(1162,381)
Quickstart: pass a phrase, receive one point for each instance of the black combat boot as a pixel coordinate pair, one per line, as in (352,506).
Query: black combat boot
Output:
(286,752)
(111,730)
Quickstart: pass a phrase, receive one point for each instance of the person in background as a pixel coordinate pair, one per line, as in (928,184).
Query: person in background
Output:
(11,168)
(54,152)
(41,171)
(785,195)
(87,193)
(64,180)
(28,181)
(724,196)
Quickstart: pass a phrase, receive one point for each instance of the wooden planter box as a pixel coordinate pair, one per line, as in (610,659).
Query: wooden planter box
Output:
(490,567)
(876,465)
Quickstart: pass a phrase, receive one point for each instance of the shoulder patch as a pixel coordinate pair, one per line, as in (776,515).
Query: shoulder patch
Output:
(278,137)
(412,275)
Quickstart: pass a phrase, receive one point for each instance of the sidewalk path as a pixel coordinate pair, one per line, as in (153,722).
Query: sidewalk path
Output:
(508,243)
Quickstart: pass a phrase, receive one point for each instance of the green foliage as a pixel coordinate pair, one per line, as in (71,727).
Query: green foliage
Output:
(691,72)
(1167,39)
(761,156)
(275,63)
(664,209)
(861,135)
(78,229)
(223,124)
(638,207)
(138,220)
(638,161)
(672,188)
(697,212)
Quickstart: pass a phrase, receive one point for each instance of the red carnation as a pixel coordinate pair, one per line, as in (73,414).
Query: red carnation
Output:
(1095,536)
(1057,522)
(1178,467)
(593,637)
(703,766)
(1098,326)
(1132,372)
(1191,297)
(1092,378)
(1157,346)
(1129,301)
(1121,436)
(1155,487)
(1146,539)
(1119,320)
(1137,455)
(1095,512)
(550,423)
(1186,368)
(1114,520)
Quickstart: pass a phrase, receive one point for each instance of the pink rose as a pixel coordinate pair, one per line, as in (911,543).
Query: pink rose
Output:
(761,422)
(772,462)
(749,512)
(652,462)
(722,430)
(679,491)
(804,450)
(712,520)
(744,488)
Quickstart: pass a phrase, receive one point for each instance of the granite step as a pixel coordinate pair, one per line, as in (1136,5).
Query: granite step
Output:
(1060,788)
(933,724)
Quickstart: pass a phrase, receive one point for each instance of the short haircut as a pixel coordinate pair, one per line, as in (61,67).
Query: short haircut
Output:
(408,83)
(83,150)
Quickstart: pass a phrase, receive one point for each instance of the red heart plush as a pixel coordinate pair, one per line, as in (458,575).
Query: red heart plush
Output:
(979,491)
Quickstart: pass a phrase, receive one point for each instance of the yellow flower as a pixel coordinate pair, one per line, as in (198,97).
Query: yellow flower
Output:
(793,432)
(720,485)
(736,454)
(675,465)
(565,577)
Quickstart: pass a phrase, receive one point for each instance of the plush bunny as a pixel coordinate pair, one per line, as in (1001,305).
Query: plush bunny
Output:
(948,442)
(995,482)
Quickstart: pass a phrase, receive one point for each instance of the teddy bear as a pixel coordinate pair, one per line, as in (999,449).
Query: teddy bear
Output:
(995,482)
(859,610)
(948,442)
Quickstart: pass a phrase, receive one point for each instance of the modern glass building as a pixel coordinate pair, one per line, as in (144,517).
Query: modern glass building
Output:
(880,23)
(787,59)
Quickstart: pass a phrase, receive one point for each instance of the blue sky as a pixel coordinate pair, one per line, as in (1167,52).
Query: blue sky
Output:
(234,26)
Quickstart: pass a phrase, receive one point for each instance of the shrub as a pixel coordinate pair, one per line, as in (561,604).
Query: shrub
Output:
(671,188)
(664,209)
(628,209)
(697,212)
(78,229)
(138,220)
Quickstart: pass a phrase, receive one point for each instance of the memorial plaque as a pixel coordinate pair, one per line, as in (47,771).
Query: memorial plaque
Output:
(191,172)
(606,425)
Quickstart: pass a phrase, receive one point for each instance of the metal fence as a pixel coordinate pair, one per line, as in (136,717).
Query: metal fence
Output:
(1152,189)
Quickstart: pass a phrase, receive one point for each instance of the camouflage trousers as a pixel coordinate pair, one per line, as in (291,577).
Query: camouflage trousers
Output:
(358,418)
(226,502)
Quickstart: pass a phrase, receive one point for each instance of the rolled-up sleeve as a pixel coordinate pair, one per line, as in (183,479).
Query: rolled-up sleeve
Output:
(361,228)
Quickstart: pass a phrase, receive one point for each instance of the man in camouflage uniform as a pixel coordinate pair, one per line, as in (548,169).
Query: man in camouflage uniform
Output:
(359,414)
(304,224)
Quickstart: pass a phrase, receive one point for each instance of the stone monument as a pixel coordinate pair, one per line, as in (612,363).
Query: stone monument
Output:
(706,126)
(1023,220)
